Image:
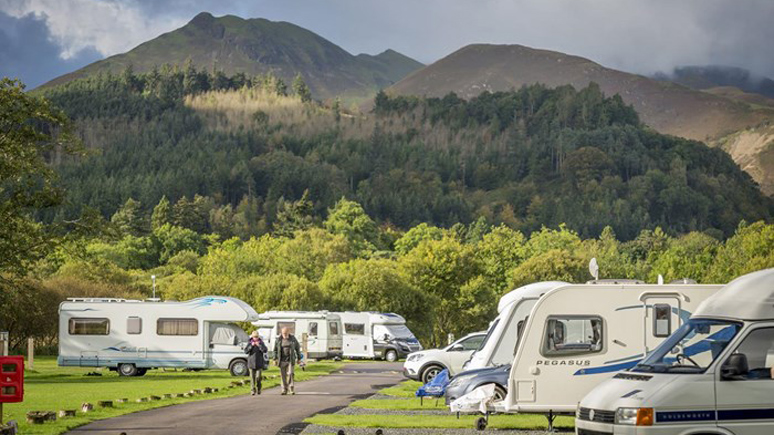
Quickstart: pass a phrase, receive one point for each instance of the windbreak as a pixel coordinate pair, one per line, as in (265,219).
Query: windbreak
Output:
(223,333)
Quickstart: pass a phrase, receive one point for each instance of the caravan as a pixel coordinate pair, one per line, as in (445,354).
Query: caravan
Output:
(132,336)
(499,346)
(713,376)
(578,335)
(322,330)
(377,335)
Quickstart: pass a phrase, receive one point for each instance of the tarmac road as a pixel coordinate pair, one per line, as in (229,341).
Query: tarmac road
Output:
(269,413)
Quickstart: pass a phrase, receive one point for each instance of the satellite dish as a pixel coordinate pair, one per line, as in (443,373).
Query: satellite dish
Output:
(660,279)
(594,268)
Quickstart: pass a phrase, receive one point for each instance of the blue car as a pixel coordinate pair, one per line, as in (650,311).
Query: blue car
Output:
(465,382)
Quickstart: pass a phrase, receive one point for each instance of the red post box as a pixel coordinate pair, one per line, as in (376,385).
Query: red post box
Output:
(11,379)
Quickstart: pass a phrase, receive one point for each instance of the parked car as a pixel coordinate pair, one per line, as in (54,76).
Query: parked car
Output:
(467,381)
(425,365)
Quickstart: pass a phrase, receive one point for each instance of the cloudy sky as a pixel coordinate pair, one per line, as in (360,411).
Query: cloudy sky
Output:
(42,39)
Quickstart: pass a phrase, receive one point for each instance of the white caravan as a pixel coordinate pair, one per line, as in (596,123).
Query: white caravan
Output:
(322,329)
(578,335)
(713,376)
(377,335)
(131,336)
(499,346)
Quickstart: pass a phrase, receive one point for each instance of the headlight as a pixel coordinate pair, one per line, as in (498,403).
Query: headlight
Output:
(414,357)
(634,416)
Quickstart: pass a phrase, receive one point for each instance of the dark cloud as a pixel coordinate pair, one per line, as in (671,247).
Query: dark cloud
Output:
(643,36)
(27,53)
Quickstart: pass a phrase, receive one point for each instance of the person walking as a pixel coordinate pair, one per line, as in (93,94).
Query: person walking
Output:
(287,352)
(255,351)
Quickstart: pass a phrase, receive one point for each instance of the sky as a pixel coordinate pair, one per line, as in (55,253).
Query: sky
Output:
(42,39)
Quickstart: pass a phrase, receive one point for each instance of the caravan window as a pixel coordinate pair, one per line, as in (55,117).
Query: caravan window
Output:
(177,327)
(572,335)
(290,325)
(333,329)
(354,328)
(89,326)
(134,325)
(662,320)
(313,329)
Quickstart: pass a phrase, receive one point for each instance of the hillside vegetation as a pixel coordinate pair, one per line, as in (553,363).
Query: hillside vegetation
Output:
(667,107)
(259,46)
(525,158)
(432,208)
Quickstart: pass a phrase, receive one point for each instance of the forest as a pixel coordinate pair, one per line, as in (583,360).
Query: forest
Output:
(527,158)
(429,207)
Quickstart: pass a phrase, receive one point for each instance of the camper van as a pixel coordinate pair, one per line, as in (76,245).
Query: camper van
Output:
(322,329)
(712,376)
(377,335)
(132,336)
(578,335)
(499,346)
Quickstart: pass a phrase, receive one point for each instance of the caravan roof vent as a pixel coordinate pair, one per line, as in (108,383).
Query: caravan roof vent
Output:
(683,281)
(615,281)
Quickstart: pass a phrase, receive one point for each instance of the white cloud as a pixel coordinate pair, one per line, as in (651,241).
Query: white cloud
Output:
(108,26)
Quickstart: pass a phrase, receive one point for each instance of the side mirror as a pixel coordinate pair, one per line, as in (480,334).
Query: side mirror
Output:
(735,367)
(456,348)
(235,340)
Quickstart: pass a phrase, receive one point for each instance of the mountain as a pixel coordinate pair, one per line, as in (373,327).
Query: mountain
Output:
(259,46)
(713,76)
(744,130)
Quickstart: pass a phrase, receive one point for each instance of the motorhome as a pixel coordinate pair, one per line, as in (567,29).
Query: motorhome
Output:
(712,376)
(321,329)
(377,335)
(578,335)
(499,346)
(132,336)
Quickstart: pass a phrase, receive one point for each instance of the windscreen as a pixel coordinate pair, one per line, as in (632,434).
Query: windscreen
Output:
(489,333)
(391,332)
(224,333)
(511,333)
(691,349)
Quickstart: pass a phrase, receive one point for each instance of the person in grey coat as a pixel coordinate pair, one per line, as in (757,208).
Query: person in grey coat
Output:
(287,351)
(255,351)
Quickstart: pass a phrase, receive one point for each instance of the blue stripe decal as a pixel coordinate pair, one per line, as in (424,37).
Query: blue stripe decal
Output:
(607,369)
(711,415)
(681,416)
(746,414)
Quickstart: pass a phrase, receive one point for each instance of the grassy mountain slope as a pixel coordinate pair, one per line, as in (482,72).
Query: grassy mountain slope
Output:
(667,107)
(258,46)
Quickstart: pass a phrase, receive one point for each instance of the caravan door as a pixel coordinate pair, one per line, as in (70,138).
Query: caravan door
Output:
(357,340)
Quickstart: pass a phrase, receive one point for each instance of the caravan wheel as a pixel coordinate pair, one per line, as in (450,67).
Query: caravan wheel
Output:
(127,370)
(391,356)
(238,367)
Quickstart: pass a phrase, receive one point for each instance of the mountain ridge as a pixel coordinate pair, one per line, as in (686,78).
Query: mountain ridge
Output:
(259,46)
(667,107)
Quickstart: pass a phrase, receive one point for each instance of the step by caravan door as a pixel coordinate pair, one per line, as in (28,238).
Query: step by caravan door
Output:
(663,314)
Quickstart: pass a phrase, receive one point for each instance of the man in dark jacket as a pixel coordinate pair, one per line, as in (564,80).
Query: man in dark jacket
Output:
(255,351)
(287,352)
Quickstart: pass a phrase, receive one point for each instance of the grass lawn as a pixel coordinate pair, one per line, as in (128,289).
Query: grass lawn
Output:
(404,389)
(51,388)
(505,421)
(404,400)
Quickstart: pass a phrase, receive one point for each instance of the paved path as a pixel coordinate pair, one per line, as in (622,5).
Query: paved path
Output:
(268,413)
